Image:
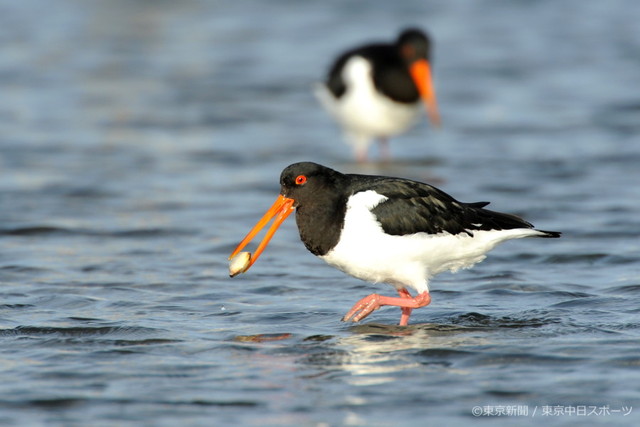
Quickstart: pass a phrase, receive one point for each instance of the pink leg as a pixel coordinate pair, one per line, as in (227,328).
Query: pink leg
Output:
(385,152)
(406,311)
(370,303)
(361,154)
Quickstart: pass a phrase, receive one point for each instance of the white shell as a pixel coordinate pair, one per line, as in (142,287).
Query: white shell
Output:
(239,263)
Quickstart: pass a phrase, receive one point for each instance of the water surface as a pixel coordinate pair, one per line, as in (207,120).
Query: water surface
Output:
(141,140)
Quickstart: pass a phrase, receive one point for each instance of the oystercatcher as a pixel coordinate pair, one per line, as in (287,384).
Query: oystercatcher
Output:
(374,91)
(383,229)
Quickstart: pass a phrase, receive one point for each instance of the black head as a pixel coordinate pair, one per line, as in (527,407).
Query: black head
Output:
(319,195)
(307,182)
(414,44)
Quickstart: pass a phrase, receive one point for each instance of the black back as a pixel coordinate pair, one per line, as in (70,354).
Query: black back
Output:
(414,207)
(390,66)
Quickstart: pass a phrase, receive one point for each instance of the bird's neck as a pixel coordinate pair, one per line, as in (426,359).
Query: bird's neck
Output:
(321,223)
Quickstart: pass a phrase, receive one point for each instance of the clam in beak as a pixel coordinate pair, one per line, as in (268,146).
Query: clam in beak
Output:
(281,209)
(421,74)
(239,263)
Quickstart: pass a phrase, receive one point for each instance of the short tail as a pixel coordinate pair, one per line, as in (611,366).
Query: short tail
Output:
(544,233)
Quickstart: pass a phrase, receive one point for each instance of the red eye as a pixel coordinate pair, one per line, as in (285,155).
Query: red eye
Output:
(301,179)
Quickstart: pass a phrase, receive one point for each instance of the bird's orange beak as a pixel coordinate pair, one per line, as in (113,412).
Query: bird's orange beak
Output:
(281,209)
(421,74)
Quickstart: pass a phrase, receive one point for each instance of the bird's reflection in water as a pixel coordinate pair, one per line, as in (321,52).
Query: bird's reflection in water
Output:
(375,353)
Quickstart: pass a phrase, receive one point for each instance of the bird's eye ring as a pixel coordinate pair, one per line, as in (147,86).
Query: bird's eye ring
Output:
(301,179)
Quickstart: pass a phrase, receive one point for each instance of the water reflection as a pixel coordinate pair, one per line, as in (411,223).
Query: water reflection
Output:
(376,354)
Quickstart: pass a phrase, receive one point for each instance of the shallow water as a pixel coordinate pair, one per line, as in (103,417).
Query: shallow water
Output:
(140,141)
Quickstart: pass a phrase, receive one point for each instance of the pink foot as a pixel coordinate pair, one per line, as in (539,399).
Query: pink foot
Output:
(370,303)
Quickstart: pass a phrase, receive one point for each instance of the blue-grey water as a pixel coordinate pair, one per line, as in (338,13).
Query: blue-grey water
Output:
(141,140)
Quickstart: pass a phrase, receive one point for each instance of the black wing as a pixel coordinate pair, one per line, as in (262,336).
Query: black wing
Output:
(390,74)
(335,82)
(414,207)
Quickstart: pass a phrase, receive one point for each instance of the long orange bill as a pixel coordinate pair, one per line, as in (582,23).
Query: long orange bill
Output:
(421,74)
(281,209)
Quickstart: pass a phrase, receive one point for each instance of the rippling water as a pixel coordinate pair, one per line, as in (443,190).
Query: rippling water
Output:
(141,140)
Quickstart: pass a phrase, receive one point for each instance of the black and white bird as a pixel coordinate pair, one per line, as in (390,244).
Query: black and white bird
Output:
(383,229)
(374,91)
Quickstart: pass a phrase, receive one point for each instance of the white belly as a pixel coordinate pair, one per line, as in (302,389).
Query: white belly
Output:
(362,111)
